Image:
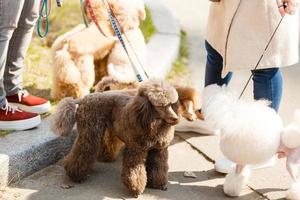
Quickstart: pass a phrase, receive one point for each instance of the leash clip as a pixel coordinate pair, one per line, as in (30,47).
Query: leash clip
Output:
(284,5)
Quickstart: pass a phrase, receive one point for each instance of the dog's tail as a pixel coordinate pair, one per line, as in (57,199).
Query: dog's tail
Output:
(291,134)
(63,120)
(59,42)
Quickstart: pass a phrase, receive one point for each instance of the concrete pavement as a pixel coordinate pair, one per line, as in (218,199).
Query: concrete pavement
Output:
(189,152)
(104,182)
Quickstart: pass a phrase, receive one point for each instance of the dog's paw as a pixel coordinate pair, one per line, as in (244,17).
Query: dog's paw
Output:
(163,187)
(235,183)
(136,193)
(294,192)
(67,184)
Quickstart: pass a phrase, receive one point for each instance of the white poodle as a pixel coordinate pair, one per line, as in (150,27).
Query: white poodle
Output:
(251,133)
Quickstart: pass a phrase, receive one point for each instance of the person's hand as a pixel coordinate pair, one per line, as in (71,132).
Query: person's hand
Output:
(287,6)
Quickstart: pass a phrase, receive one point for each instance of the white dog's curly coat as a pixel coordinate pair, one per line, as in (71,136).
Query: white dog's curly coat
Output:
(251,133)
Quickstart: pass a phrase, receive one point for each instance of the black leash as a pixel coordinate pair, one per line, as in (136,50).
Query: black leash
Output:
(262,56)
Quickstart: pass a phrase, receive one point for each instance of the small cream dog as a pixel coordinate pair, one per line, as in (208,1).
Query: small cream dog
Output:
(80,53)
(251,133)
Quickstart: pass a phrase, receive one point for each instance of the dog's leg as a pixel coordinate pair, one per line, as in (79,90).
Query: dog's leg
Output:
(236,181)
(157,168)
(83,153)
(292,165)
(134,173)
(110,147)
(87,69)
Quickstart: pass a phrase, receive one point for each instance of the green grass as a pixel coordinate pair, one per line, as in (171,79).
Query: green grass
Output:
(179,68)
(4,133)
(147,26)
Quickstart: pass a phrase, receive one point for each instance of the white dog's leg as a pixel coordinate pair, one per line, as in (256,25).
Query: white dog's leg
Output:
(236,181)
(292,166)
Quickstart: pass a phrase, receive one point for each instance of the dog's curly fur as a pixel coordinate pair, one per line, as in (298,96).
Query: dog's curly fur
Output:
(144,122)
(83,55)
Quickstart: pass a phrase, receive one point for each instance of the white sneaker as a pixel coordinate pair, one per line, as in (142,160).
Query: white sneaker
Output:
(224,165)
(197,126)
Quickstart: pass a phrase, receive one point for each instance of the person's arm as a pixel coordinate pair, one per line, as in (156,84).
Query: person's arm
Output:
(287,6)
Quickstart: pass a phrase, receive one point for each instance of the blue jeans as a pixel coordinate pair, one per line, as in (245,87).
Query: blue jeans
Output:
(267,82)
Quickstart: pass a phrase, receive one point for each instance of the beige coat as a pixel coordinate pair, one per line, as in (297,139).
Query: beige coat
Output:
(250,31)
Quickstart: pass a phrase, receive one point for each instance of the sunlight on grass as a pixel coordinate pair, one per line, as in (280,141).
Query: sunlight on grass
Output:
(147,26)
(4,133)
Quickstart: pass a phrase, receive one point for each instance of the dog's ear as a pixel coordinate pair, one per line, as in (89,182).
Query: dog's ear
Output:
(145,112)
(114,5)
(142,14)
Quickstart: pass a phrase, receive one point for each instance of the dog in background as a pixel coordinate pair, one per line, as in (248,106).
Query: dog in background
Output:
(84,55)
(251,133)
(144,122)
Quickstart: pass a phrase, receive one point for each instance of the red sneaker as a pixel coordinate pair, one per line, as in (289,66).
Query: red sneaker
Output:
(11,118)
(29,103)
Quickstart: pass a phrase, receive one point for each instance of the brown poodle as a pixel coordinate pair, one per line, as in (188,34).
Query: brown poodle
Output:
(144,122)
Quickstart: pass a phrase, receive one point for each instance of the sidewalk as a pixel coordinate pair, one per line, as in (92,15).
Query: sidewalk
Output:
(189,152)
(105,181)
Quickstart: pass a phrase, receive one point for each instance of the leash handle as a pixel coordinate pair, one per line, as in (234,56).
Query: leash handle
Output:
(43,18)
(262,56)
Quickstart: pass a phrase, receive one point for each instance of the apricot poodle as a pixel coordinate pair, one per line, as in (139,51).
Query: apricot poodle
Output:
(83,55)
